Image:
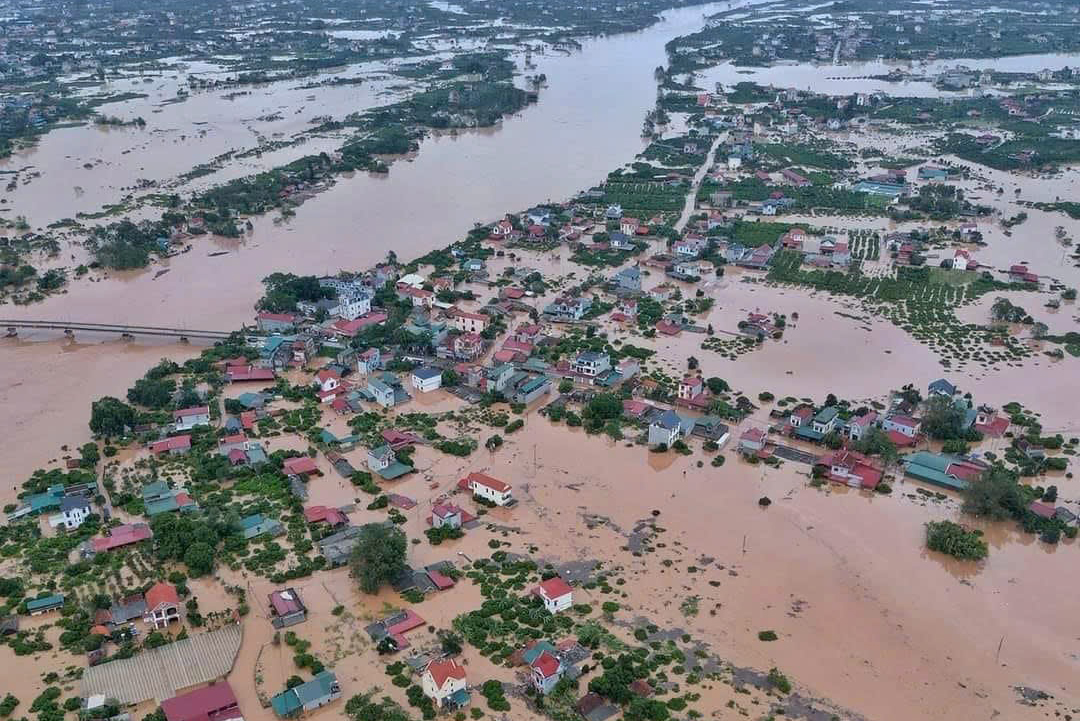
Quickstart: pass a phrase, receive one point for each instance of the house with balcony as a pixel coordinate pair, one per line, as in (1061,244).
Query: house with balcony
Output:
(568,309)
(591,364)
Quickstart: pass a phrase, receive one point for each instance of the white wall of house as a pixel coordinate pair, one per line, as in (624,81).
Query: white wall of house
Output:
(560,603)
(71,518)
(354,307)
(659,434)
(500,498)
(186,423)
(439,695)
(467,324)
(425,385)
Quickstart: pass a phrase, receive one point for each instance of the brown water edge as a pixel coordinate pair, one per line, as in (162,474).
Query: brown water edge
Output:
(47,386)
(884,625)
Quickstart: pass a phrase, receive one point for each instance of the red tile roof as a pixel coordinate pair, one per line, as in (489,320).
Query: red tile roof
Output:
(282,317)
(442,670)
(196,411)
(352,327)
(161,593)
(441,580)
(170,444)
(458,313)
(484,479)
(401,501)
(212,703)
(250,373)
(546,665)
(754,435)
(554,588)
(122,536)
(1042,510)
(285,602)
(399,439)
(300,466)
(900,439)
(444,510)
(995,428)
(324,514)
(412,620)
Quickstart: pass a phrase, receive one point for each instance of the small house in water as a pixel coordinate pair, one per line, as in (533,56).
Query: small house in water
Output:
(286,608)
(444,682)
(317,692)
(556,594)
(487,488)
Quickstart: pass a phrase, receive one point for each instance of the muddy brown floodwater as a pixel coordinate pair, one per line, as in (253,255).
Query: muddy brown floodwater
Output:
(864,617)
(49,385)
(550,150)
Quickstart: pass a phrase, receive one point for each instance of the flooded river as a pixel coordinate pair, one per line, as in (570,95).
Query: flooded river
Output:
(586,124)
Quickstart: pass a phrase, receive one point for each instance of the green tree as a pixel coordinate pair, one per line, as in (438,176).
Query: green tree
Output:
(717,385)
(955,540)
(152,392)
(943,419)
(199,558)
(378,556)
(876,442)
(603,407)
(109,416)
(996,495)
(90,455)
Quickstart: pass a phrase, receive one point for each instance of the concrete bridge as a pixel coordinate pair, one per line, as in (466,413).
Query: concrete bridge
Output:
(125,331)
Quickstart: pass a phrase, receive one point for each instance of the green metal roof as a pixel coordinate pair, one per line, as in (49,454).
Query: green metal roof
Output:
(286,703)
(397,469)
(533,653)
(826,414)
(42,501)
(157,489)
(932,468)
(317,688)
(251,521)
(161,505)
(532,385)
(930,460)
(292,701)
(57,599)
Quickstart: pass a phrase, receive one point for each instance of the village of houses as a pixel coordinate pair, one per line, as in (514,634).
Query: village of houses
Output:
(547,341)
